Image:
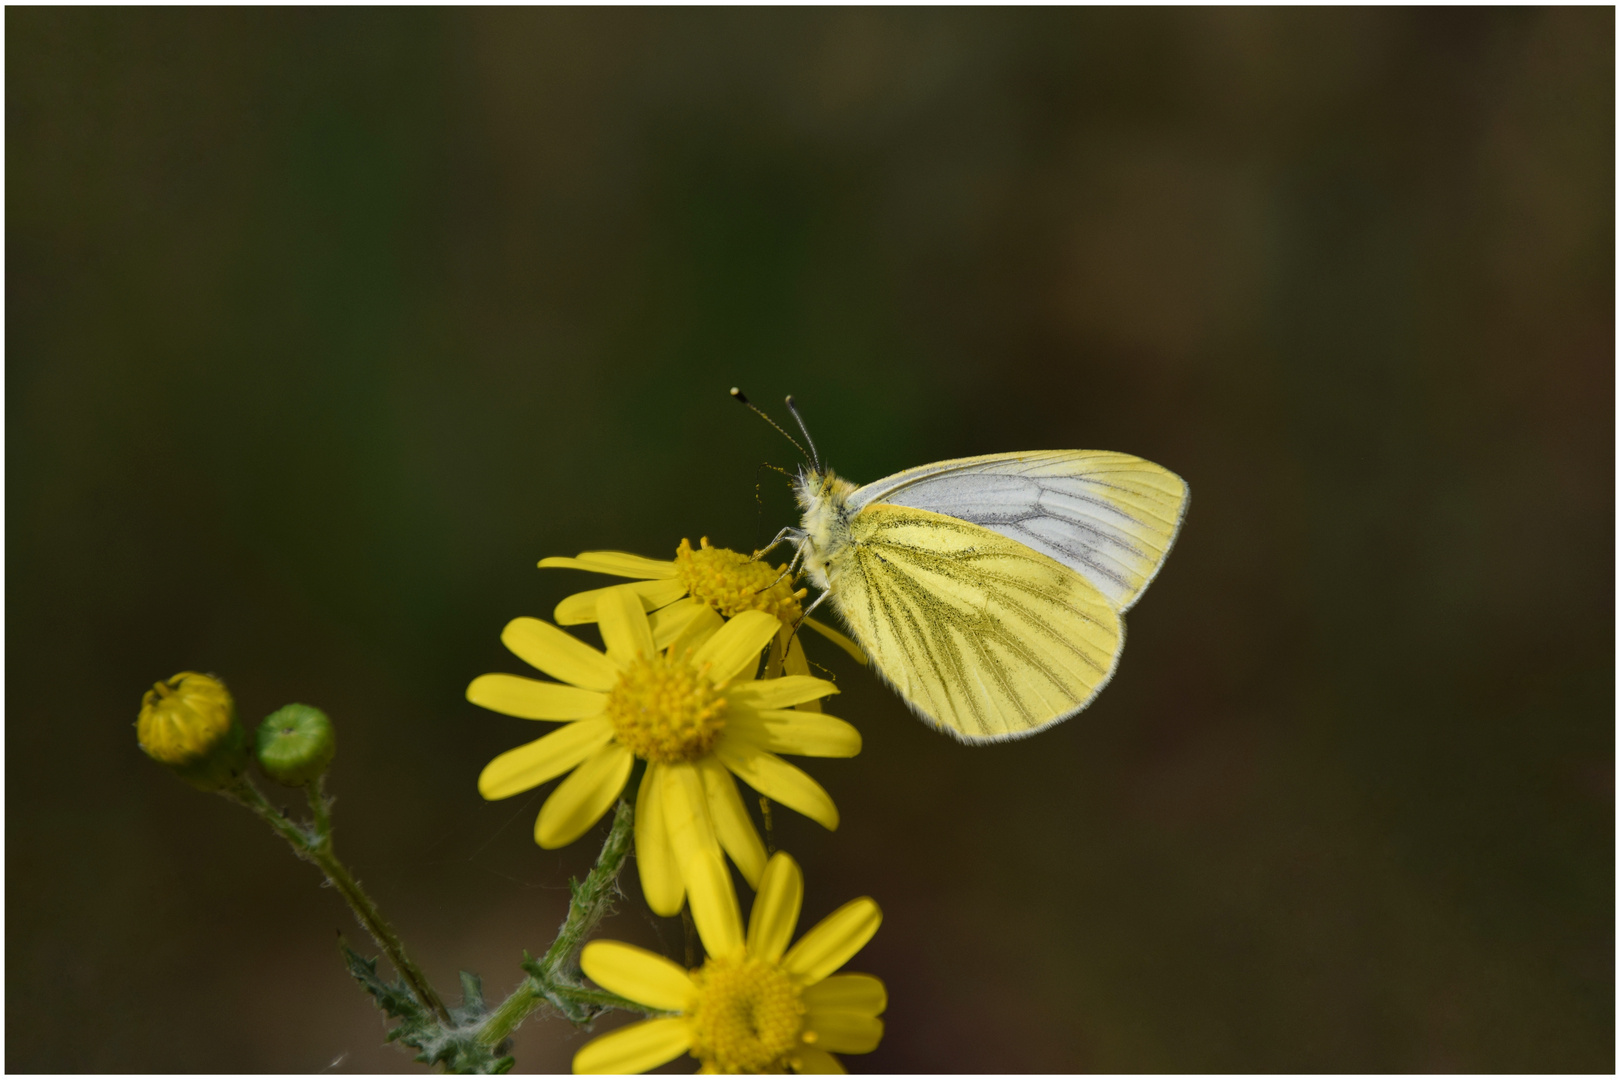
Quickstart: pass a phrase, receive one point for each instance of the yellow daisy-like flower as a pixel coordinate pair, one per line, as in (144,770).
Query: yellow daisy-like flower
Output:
(681,695)
(713,579)
(755,1006)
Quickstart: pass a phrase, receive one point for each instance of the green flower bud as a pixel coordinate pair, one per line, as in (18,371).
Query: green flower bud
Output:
(189,724)
(296,743)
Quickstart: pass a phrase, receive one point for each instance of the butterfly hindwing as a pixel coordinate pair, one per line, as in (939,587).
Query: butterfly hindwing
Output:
(981,634)
(1110,517)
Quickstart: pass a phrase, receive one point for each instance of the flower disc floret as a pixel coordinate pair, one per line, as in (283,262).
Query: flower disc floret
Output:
(665,709)
(731,582)
(747,1016)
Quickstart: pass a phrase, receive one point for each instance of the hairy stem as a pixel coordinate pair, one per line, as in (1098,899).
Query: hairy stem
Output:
(314,844)
(555,978)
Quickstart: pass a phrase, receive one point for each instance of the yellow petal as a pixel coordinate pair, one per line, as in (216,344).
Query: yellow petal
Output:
(788,731)
(845,993)
(671,620)
(614,562)
(811,1060)
(581,800)
(773,656)
(624,626)
(637,974)
(799,664)
(714,905)
(635,1048)
(832,941)
(581,607)
(844,1032)
(531,699)
(559,654)
(686,814)
(776,779)
(734,651)
(699,630)
(776,908)
(732,825)
(551,755)
(837,639)
(661,882)
(779,693)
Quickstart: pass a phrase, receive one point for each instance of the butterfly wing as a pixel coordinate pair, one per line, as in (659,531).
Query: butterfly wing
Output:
(1110,517)
(981,634)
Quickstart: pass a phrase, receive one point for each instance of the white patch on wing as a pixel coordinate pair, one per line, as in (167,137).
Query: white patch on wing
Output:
(1110,517)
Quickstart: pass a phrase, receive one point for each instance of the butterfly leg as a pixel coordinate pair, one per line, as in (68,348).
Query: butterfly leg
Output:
(793,631)
(789,533)
(805,614)
(792,567)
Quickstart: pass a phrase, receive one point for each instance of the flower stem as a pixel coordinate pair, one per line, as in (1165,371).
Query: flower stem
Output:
(314,844)
(555,977)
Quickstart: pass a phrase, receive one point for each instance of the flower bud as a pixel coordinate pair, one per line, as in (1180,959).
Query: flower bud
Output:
(295,744)
(189,724)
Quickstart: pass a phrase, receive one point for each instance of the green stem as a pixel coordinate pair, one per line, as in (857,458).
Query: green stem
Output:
(315,845)
(555,977)
(320,806)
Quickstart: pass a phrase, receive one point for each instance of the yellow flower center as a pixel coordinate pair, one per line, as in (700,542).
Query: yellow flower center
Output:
(665,709)
(747,1016)
(731,582)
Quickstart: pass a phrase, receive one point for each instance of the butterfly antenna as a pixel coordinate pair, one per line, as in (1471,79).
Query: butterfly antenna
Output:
(742,398)
(759,500)
(815,458)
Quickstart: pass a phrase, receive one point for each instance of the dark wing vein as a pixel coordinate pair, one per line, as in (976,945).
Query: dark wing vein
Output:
(953,671)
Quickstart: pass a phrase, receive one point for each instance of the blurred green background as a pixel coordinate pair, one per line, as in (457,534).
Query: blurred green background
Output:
(324,326)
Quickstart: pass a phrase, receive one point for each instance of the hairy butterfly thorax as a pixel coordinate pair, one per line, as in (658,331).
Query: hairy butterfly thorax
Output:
(824,527)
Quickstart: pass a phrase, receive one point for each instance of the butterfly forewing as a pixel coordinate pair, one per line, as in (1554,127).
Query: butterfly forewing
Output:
(1111,517)
(981,634)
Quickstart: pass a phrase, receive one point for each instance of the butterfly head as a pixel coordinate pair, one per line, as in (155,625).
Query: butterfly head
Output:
(821,488)
(822,494)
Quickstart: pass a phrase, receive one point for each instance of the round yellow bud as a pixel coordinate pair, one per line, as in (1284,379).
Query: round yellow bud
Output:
(189,724)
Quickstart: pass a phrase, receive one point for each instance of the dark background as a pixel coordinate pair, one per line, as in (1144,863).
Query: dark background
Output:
(323,326)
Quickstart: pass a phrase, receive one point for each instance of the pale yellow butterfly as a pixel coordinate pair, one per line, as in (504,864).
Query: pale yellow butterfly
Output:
(989,591)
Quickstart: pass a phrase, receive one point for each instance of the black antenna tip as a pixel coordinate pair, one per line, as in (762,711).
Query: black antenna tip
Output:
(739,395)
(789,400)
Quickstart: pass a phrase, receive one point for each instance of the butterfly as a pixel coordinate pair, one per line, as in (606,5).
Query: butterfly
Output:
(990,591)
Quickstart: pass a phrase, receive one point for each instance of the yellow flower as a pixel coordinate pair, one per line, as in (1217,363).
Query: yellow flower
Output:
(755,1006)
(720,580)
(680,695)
